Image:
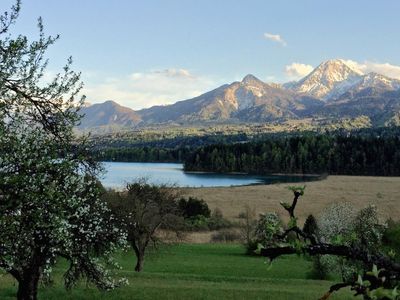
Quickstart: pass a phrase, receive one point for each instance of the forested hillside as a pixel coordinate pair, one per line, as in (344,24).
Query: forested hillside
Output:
(333,154)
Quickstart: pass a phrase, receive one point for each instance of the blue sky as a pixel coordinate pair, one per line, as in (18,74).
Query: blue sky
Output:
(141,53)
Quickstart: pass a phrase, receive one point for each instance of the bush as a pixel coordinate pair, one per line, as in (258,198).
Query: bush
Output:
(391,239)
(198,223)
(194,207)
(264,231)
(319,270)
(268,226)
(342,224)
(217,221)
(248,229)
(310,225)
(226,236)
(202,223)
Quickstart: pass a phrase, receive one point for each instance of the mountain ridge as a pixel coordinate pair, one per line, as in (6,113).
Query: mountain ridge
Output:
(333,89)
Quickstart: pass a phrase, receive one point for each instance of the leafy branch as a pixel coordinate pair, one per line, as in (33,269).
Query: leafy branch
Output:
(380,283)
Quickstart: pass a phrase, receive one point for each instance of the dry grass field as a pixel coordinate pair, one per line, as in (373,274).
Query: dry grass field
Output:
(359,190)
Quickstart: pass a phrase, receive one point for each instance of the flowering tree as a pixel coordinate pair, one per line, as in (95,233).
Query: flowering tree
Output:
(49,196)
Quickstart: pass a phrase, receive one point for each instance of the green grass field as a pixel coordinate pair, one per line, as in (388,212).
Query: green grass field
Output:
(198,271)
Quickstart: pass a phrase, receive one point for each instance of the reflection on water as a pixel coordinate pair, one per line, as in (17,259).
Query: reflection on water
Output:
(119,173)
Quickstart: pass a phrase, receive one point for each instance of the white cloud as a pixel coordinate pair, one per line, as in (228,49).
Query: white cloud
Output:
(145,89)
(386,69)
(275,38)
(298,70)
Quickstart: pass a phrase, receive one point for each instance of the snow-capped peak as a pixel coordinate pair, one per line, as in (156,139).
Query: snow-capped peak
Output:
(325,78)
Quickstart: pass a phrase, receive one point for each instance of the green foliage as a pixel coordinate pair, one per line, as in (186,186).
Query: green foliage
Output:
(319,270)
(194,207)
(265,231)
(292,222)
(297,189)
(285,205)
(199,223)
(143,208)
(49,196)
(391,239)
(310,226)
(341,224)
(217,221)
(143,154)
(326,153)
(374,292)
(202,223)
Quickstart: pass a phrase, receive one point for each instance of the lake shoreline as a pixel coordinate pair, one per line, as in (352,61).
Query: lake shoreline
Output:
(119,173)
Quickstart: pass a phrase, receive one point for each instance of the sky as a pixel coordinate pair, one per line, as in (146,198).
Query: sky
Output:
(148,52)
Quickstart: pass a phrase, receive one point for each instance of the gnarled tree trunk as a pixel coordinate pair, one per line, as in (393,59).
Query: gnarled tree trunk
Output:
(28,285)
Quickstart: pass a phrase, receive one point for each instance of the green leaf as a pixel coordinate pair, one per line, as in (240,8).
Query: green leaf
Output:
(258,250)
(360,281)
(285,205)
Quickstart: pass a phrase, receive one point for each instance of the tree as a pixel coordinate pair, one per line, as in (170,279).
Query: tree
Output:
(248,228)
(49,196)
(379,279)
(144,208)
(194,207)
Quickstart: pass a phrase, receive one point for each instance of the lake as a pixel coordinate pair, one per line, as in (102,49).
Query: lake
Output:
(119,173)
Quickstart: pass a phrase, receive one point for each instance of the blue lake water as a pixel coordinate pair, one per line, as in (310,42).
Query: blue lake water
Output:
(119,173)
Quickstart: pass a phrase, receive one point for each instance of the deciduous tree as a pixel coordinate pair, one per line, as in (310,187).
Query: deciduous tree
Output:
(49,198)
(142,209)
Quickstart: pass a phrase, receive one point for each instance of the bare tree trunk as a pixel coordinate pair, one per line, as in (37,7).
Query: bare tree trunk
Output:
(139,252)
(28,286)
(139,262)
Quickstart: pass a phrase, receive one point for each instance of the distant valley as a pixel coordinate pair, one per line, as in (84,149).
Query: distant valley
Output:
(332,91)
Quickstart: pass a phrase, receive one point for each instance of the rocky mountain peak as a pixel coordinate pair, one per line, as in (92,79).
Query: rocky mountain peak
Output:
(249,79)
(325,79)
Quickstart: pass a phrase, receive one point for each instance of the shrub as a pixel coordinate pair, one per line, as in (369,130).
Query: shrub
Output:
(265,231)
(198,223)
(391,239)
(268,226)
(202,223)
(194,207)
(310,225)
(248,228)
(342,224)
(319,270)
(217,221)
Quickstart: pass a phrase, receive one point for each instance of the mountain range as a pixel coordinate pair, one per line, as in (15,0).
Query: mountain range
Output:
(332,90)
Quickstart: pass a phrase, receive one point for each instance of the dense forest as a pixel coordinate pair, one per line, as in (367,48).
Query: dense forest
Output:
(311,157)
(144,154)
(333,154)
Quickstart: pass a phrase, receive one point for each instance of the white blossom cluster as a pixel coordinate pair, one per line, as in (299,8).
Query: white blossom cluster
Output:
(50,207)
(341,224)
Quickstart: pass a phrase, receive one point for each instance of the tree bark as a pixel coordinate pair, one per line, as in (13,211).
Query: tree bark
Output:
(139,262)
(28,286)
(139,252)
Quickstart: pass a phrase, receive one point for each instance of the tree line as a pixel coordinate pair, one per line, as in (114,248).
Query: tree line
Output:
(143,154)
(332,154)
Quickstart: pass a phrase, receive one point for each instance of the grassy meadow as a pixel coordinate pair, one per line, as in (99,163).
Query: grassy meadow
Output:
(198,271)
(358,190)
